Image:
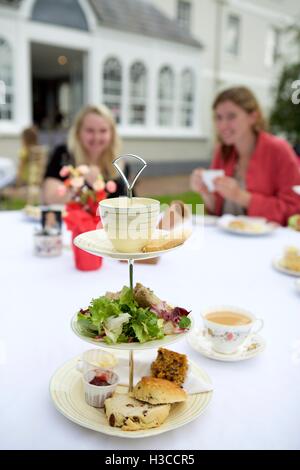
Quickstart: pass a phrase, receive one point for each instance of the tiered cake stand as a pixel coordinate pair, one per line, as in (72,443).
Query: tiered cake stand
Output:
(64,387)
(96,243)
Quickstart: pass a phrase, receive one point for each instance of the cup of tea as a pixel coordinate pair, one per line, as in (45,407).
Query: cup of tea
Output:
(227,328)
(209,176)
(129,223)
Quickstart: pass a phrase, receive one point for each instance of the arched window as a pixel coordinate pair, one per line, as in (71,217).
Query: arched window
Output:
(166,96)
(138,94)
(187,90)
(112,87)
(6,81)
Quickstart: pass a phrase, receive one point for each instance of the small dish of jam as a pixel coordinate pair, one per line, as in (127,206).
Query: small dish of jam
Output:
(100,381)
(99,384)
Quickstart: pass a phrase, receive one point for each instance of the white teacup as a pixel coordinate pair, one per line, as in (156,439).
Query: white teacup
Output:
(227,328)
(129,224)
(209,176)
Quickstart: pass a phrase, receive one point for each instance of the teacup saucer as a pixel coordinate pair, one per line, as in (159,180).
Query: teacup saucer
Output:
(198,341)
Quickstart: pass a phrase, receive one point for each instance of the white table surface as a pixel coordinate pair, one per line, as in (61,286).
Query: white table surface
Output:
(256,403)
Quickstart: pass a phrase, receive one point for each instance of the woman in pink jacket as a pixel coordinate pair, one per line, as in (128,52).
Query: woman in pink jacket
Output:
(260,169)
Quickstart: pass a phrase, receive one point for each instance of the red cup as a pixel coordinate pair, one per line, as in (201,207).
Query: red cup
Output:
(85,261)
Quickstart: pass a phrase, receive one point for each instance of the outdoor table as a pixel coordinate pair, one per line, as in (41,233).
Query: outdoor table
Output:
(255,404)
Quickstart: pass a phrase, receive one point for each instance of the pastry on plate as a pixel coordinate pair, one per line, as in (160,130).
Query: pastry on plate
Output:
(167,241)
(291,259)
(170,365)
(246,226)
(130,414)
(158,391)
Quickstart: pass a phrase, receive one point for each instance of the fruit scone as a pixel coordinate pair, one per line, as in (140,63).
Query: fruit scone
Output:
(125,412)
(149,406)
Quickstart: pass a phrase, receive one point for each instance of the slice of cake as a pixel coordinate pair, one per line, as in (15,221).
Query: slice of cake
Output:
(170,365)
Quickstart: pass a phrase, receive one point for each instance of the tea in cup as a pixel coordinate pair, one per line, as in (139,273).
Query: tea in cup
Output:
(129,223)
(227,328)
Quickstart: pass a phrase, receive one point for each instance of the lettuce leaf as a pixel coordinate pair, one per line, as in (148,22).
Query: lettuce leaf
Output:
(113,326)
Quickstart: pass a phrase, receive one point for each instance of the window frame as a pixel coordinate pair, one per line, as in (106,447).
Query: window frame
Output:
(234,53)
(166,102)
(133,99)
(273,51)
(185,105)
(9,82)
(184,22)
(108,98)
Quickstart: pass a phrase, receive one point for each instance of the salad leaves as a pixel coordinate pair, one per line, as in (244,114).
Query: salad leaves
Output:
(119,320)
(131,316)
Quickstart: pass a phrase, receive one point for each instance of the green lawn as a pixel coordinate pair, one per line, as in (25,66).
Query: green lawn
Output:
(188,198)
(11,204)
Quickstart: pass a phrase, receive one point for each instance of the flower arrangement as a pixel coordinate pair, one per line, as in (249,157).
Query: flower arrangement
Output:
(83,195)
(82,209)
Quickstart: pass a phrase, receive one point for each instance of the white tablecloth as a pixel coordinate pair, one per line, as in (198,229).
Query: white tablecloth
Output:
(256,403)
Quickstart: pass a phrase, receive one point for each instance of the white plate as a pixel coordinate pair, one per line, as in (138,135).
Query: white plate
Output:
(32,213)
(277,265)
(97,243)
(297,284)
(266,227)
(157,343)
(66,390)
(200,343)
(296,189)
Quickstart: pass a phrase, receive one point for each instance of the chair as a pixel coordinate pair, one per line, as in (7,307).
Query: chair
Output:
(36,170)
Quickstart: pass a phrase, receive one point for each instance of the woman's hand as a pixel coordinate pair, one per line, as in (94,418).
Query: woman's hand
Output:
(92,175)
(197,183)
(229,188)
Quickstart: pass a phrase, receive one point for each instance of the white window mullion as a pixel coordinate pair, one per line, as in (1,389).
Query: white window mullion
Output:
(112,87)
(125,97)
(6,77)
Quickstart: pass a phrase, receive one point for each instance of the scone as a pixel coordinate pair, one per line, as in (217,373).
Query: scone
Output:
(129,414)
(158,391)
(170,365)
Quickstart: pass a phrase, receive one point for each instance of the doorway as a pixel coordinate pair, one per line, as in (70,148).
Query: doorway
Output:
(57,86)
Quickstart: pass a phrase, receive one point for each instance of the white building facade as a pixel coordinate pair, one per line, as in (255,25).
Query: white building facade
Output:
(150,83)
(156,63)
(245,42)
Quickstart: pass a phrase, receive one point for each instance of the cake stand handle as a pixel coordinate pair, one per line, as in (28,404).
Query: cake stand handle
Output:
(131,370)
(128,185)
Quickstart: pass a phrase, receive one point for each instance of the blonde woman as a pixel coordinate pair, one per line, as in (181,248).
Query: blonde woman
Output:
(93,141)
(260,169)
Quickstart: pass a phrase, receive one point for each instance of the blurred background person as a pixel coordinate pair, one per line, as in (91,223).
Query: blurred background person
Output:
(29,139)
(260,169)
(93,140)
